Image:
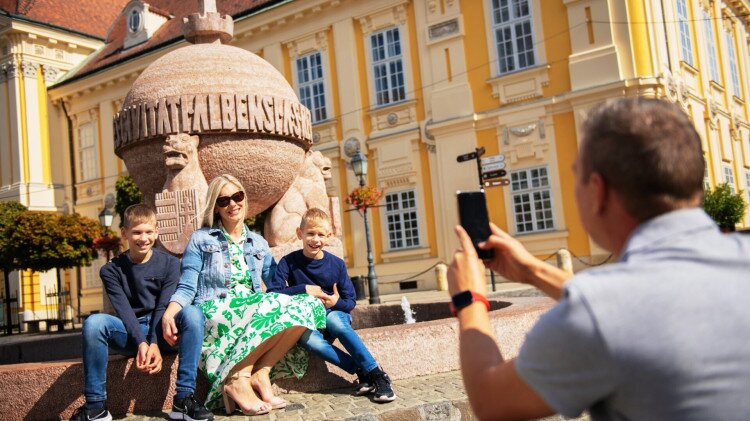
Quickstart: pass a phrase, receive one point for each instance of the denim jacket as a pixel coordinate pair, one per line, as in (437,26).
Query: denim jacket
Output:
(206,267)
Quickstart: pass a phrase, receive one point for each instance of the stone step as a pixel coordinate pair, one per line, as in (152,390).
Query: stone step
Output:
(40,391)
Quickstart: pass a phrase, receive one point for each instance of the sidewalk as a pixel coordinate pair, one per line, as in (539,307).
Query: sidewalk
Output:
(436,397)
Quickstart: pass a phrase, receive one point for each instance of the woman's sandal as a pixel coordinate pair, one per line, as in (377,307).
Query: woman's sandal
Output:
(275,401)
(258,408)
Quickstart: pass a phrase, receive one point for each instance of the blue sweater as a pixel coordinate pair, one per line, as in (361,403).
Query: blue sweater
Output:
(138,290)
(295,271)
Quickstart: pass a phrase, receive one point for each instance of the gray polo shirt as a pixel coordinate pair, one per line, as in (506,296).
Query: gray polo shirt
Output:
(664,334)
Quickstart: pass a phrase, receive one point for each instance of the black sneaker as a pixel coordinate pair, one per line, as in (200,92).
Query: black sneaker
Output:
(365,386)
(99,414)
(383,390)
(190,409)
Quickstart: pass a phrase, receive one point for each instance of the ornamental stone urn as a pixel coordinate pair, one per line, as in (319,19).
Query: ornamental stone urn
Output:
(204,110)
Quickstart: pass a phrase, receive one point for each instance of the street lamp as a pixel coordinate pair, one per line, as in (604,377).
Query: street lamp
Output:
(105,220)
(359,166)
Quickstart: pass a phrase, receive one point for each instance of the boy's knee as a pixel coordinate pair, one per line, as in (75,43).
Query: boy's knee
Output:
(192,316)
(94,326)
(337,321)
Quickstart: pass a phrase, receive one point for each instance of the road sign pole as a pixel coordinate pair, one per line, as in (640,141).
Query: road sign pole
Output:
(479,167)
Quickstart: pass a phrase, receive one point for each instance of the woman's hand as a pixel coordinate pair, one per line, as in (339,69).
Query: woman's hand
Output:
(168,325)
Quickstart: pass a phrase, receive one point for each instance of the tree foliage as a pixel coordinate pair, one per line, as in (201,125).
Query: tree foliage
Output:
(8,213)
(127,193)
(725,208)
(41,241)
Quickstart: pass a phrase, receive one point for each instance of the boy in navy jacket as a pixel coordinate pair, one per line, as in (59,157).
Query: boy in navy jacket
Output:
(323,275)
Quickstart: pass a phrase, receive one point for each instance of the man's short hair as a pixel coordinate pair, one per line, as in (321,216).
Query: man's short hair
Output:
(314,215)
(648,151)
(138,214)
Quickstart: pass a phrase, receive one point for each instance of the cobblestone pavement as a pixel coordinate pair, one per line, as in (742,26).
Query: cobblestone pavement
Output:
(435,398)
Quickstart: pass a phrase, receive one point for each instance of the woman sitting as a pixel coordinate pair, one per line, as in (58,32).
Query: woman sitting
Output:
(247,331)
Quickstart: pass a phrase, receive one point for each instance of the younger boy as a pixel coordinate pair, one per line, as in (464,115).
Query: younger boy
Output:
(323,275)
(139,283)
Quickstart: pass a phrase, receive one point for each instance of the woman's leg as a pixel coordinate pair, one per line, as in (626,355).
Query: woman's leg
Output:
(261,380)
(238,384)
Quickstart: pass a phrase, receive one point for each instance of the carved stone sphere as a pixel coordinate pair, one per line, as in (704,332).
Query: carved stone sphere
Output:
(266,164)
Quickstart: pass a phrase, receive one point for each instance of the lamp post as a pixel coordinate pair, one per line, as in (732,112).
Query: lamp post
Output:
(105,220)
(359,166)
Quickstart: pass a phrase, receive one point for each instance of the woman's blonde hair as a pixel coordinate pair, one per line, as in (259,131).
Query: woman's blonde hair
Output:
(214,189)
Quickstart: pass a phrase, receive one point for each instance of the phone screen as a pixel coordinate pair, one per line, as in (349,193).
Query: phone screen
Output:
(472,212)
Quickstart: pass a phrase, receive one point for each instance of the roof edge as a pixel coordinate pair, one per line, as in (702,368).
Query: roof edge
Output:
(27,19)
(239,16)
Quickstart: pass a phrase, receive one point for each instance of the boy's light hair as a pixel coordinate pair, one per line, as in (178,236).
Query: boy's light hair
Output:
(316,216)
(138,214)
(214,189)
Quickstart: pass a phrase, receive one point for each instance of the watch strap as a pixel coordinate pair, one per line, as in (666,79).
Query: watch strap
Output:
(475,296)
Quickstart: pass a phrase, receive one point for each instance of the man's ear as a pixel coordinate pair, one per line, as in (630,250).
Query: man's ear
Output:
(601,193)
(299,233)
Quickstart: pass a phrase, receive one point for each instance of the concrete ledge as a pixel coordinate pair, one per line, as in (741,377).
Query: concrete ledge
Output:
(40,391)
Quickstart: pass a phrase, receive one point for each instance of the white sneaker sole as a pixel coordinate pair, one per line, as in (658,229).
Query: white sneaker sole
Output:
(384,398)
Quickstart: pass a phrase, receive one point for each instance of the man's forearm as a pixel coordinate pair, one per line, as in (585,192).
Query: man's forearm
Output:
(548,279)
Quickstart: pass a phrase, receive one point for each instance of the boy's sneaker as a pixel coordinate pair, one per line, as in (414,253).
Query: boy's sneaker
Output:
(365,385)
(190,409)
(84,414)
(383,390)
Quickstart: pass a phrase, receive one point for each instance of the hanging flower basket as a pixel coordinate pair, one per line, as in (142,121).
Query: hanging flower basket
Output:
(364,197)
(107,243)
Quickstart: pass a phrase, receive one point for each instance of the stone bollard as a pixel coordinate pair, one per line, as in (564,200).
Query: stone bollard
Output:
(441,273)
(564,260)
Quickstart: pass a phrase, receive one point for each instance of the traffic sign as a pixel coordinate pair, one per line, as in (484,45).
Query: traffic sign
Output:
(493,159)
(466,157)
(493,167)
(493,174)
(497,183)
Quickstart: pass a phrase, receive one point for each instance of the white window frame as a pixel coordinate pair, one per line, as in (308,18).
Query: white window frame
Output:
(91,273)
(514,21)
(524,185)
(733,65)
(87,152)
(747,185)
(729,178)
(713,59)
(686,42)
(413,213)
(393,92)
(706,181)
(308,81)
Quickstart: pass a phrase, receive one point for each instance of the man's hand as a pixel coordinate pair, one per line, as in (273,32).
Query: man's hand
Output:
(168,325)
(151,362)
(511,259)
(331,300)
(466,271)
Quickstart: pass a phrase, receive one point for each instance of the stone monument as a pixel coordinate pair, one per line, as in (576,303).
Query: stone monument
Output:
(208,109)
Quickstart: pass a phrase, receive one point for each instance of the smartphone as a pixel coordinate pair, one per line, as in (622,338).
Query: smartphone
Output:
(472,212)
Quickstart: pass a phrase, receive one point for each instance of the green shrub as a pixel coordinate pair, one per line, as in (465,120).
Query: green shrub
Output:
(725,208)
(127,193)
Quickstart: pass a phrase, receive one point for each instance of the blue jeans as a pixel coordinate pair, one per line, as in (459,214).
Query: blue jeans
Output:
(339,326)
(102,331)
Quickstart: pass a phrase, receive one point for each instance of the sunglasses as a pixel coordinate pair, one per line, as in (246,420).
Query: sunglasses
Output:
(223,201)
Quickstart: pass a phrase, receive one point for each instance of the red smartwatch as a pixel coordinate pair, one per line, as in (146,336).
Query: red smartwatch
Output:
(465,298)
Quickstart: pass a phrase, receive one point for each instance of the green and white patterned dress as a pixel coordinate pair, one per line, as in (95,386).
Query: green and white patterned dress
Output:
(238,323)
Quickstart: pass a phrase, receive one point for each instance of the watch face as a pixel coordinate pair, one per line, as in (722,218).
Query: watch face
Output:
(462,299)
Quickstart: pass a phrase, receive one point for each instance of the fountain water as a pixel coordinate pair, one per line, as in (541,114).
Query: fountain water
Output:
(408,313)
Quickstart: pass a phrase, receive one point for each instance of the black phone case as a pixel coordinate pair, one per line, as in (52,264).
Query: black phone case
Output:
(472,212)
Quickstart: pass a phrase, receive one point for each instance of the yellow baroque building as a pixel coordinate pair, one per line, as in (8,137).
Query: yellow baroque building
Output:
(414,83)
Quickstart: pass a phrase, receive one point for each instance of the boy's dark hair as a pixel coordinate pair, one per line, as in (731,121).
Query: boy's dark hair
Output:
(648,151)
(314,215)
(138,214)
